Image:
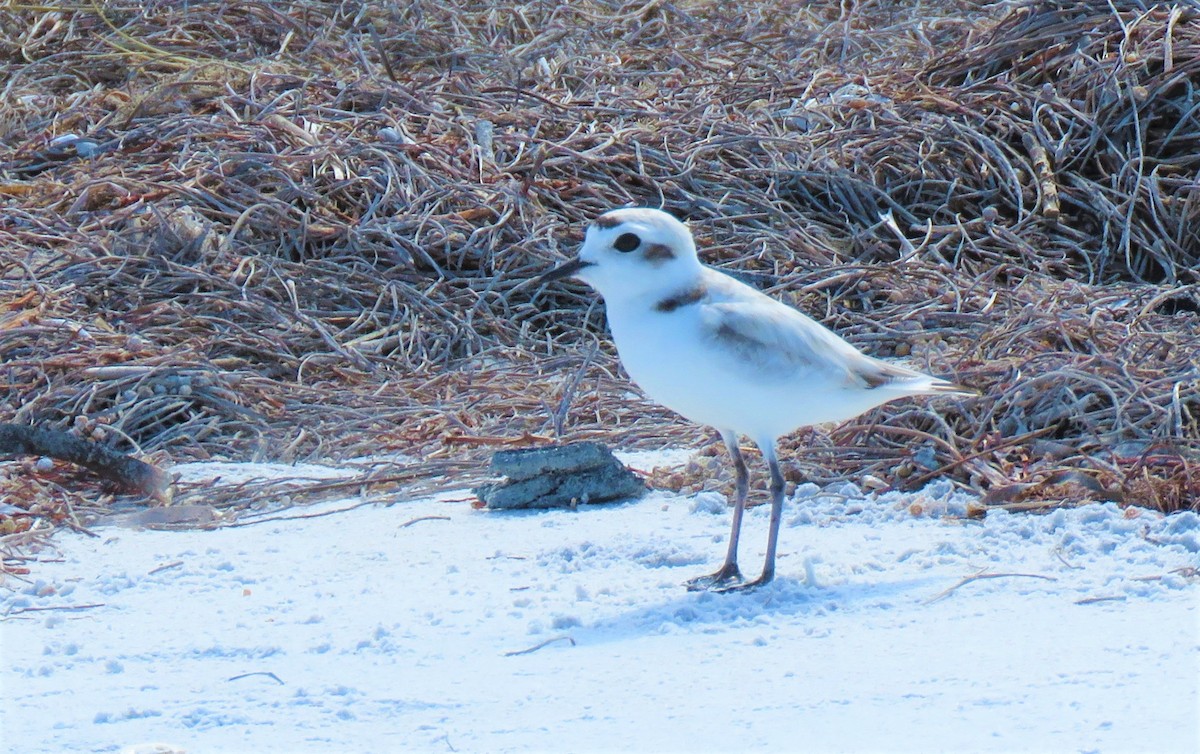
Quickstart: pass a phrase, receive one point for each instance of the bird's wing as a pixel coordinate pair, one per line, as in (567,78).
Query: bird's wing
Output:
(779,341)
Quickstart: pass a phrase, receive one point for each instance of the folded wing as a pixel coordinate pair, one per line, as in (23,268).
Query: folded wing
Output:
(780,342)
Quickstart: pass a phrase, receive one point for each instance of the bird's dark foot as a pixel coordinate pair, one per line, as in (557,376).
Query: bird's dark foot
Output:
(748,586)
(729,576)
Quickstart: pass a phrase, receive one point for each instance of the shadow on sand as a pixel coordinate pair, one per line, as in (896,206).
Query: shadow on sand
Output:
(708,612)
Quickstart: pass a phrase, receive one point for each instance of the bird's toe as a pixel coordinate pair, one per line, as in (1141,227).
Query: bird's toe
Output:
(728,576)
(747,586)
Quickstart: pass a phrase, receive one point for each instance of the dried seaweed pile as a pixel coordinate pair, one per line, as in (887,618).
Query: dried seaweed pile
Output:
(303,230)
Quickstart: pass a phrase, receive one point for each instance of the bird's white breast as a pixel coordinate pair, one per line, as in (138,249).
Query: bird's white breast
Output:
(676,358)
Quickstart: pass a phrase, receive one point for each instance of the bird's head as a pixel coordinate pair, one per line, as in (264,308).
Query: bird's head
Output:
(630,253)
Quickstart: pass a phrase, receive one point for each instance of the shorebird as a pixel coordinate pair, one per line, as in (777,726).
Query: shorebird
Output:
(719,352)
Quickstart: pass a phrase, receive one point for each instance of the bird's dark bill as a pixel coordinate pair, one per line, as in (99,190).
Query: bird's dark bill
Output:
(569,269)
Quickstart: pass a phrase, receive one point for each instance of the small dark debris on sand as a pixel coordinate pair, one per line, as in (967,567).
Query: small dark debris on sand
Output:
(558,476)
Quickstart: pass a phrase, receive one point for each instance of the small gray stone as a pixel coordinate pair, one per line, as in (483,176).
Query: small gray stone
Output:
(527,463)
(559,475)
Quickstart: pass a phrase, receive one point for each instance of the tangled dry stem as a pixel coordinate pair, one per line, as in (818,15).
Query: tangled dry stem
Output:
(304,230)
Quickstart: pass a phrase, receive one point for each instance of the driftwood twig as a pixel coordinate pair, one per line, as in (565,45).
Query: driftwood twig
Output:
(984,575)
(536,647)
(267,673)
(125,470)
(407,524)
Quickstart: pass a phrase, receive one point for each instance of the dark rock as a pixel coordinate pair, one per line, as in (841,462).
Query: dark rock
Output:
(559,475)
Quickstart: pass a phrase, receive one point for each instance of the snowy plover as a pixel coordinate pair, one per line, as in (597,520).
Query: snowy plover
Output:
(721,353)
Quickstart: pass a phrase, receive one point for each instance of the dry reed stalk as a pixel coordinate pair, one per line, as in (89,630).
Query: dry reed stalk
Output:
(304,231)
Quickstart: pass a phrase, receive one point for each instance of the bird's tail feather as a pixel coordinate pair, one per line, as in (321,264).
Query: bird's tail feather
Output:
(939,386)
(897,377)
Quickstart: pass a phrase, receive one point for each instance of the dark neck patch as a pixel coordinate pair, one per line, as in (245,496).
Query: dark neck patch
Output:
(606,222)
(683,298)
(657,253)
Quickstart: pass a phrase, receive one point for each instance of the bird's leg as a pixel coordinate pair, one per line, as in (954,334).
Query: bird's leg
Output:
(777,488)
(729,574)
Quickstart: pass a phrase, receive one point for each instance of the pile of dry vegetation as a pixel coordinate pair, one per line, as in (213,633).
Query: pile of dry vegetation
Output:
(301,230)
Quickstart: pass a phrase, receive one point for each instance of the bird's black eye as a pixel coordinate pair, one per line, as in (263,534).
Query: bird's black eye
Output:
(627,242)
